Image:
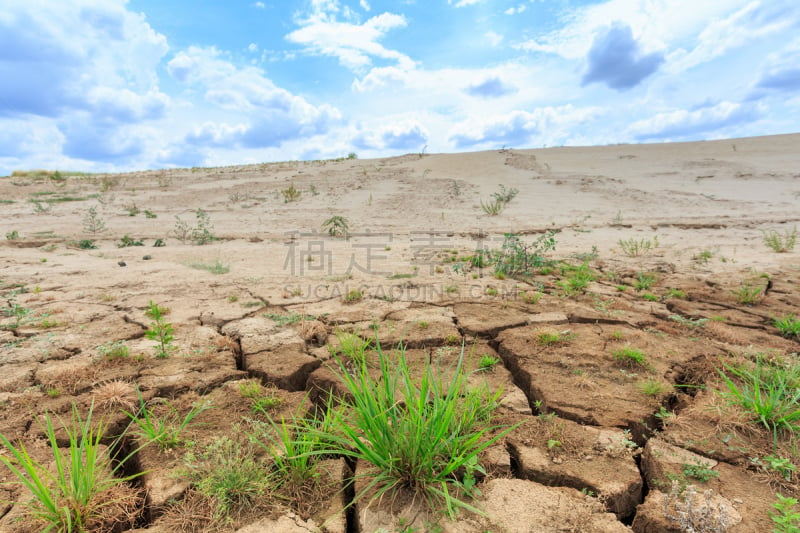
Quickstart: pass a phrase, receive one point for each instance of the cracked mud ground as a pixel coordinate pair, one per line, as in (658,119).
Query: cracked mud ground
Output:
(600,440)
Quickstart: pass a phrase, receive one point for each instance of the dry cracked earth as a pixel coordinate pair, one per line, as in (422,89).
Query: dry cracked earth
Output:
(603,442)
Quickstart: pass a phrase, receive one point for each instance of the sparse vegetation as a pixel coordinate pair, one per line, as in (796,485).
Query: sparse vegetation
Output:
(487,362)
(353,296)
(769,393)
(290,194)
(786,517)
(82,491)
(748,294)
(127,241)
(781,243)
(415,439)
(164,429)
(644,281)
(160,330)
(788,325)
(630,356)
(217,267)
(336,226)
(634,248)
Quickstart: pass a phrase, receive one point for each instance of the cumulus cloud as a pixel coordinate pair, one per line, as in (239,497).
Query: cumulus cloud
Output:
(492,87)
(781,71)
(274,115)
(56,57)
(681,123)
(401,135)
(616,59)
(520,128)
(354,45)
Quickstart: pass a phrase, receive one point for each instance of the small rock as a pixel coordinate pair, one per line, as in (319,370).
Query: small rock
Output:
(147,257)
(122,263)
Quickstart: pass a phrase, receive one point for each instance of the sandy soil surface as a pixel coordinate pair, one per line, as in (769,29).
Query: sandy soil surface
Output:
(280,295)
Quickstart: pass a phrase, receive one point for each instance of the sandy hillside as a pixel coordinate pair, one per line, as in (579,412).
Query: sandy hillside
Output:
(257,289)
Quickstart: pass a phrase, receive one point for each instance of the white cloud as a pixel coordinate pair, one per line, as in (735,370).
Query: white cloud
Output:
(547,125)
(364,5)
(403,134)
(656,24)
(259,5)
(494,38)
(707,120)
(463,3)
(252,47)
(273,115)
(753,21)
(354,45)
(516,10)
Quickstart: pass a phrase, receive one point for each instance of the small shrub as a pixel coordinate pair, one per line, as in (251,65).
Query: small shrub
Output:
(650,297)
(786,517)
(203,231)
(92,222)
(336,226)
(516,258)
(630,356)
(87,244)
(290,194)
(781,243)
(505,195)
(676,293)
(352,296)
(12,235)
(160,330)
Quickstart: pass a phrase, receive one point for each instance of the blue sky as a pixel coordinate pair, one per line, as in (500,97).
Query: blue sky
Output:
(107,85)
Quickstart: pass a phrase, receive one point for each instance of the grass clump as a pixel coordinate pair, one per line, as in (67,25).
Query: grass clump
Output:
(788,325)
(781,243)
(261,398)
(291,194)
(501,198)
(748,294)
(769,393)
(577,279)
(487,362)
(421,435)
(217,267)
(353,296)
(164,430)
(113,350)
(80,492)
(549,336)
(630,356)
(634,248)
(228,474)
(644,281)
